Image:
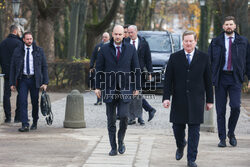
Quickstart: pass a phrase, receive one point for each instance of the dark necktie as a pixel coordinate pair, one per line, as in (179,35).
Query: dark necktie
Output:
(118,52)
(28,61)
(188,58)
(134,44)
(229,60)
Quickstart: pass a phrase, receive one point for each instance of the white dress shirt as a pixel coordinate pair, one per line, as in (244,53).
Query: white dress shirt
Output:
(227,51)
(136,42)
(116,48)
(30,60)
(191,55)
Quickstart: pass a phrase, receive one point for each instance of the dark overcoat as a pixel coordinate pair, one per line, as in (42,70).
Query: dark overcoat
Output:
(113,74)
(189,85)
(240,57)
(7,48)
(94,55)
(144,54)
(40,66)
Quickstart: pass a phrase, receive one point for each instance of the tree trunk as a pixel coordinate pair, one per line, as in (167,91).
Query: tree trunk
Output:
(243,18)
(33,24)
(74,18)
(66,32)
(46,38)
(94,30)
(82,21)
(132,8)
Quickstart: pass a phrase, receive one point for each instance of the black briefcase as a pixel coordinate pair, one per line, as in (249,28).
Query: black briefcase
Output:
(45,106)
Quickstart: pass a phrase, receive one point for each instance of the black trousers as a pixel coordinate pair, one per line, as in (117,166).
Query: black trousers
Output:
(193,138)
(111,118)
(6,101)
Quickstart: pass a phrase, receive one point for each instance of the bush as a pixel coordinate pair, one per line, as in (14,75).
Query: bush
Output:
(65,75)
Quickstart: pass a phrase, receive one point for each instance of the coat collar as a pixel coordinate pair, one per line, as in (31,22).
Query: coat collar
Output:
(220,40)
(194,59)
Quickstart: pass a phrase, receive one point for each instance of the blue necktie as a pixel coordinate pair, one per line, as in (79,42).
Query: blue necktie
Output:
(188,58)
(28,61)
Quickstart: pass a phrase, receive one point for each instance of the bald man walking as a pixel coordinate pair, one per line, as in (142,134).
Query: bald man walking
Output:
(116,62)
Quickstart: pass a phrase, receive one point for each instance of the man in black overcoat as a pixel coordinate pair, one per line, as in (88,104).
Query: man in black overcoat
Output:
(145,61)
(115,64)
(188,81)
(7,48)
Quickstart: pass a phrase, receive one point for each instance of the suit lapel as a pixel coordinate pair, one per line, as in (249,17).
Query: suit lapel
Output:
(113,52)
(123,50)
(184,57)
(139,45)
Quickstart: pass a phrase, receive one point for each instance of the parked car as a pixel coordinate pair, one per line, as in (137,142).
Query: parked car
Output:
(162,44)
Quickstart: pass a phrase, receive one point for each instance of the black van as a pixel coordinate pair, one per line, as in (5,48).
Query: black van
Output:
(162,44)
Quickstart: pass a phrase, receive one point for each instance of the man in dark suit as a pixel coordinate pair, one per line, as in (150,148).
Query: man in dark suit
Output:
(105,39)
(188,80)
(145,61)
(230,61)
(29,71)
(7,47)
(115,64)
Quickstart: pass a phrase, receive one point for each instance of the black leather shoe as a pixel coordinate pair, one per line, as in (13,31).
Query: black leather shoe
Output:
(232,140)
(131,122)
(7,120)
(24,129)
(121,148)
(222,143)
(191,164)
(98,103)
(141,121)
(113,152)
(179,152)
(151,114)
(33,126)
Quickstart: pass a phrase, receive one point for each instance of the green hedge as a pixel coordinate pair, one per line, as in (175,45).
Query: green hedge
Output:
(64,76)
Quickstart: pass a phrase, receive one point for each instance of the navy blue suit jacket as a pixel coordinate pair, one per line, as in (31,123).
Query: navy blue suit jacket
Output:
(113,75)
(240,57)
(40,66)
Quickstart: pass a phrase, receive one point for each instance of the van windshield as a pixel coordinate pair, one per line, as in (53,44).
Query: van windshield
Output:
(158,43)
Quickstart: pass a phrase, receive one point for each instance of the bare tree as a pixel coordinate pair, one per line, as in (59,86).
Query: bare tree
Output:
(96,28)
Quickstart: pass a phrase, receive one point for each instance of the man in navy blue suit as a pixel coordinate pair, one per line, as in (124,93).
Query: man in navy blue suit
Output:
(29,71)
(230,61)
(118,76)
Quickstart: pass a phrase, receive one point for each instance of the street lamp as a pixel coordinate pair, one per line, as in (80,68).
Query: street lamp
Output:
(203,22)
(20,22)
(16,6)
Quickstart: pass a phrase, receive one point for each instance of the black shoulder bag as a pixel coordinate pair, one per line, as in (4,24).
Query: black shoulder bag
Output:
(45,106)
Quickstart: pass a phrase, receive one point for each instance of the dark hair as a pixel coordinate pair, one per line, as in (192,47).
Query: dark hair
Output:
(13,28)
(26,33)
(126,26)
(189,33)
(228,18)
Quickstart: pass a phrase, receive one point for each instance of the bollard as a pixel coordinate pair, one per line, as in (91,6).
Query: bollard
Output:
(1,98)
(208,125)
(74,112)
